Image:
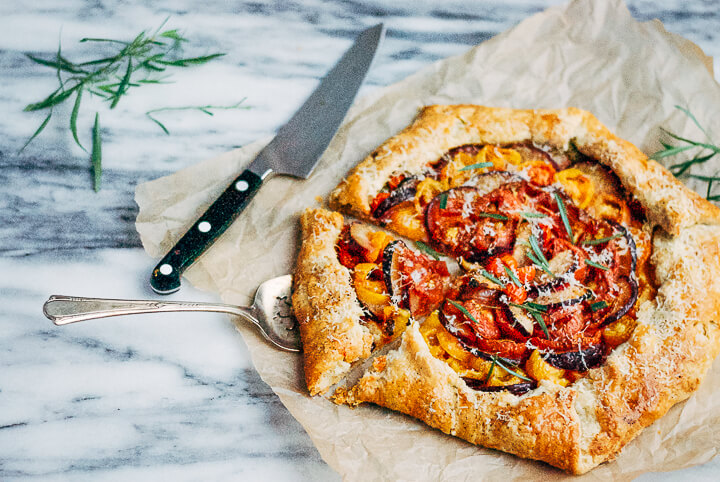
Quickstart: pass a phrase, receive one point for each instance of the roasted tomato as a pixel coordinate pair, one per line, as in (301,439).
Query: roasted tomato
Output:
(414,281)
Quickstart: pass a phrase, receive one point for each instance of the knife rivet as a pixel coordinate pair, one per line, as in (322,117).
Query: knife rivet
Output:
(242,185)
(166,269)
(204,227)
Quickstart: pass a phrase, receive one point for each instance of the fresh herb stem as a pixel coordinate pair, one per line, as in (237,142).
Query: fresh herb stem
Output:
(96,156)
(443,200)
(134,63)
(492,278)
(427,249)
(602,240)
(512,277)
(509,370)
(531,215)
(535,310)
(564,216)
(701,155)
(205,109)
(493,216)
(539,259)
(596,265)
(464,310)
(480,165)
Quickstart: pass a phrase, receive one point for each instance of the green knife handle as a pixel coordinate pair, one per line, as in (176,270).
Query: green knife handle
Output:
(165,278)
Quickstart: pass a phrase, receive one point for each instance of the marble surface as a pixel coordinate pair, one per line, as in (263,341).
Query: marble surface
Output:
(175,396)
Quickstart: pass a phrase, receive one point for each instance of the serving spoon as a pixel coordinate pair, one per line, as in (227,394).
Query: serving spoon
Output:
(271,311)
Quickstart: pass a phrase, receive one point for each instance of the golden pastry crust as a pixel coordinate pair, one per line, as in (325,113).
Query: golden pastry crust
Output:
(439,128)
(325,304)
(677,336)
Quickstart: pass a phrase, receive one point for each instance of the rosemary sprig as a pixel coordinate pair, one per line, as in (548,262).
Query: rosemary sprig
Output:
(205,109)
(443,199)
(132,64)
(493,216)
(704,151)
(598,306)
(479,165)
(538,258)
(492,278)
(464,310)
(427,249)
(535,310)
(602,240)
(596,265)
(512,277)
(496,361)
(531,215)
(564,216)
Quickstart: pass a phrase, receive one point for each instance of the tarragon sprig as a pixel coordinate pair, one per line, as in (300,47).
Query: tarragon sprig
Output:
(704,151)
(134,63)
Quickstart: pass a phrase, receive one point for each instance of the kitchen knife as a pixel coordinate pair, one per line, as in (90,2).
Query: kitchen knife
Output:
(294,152)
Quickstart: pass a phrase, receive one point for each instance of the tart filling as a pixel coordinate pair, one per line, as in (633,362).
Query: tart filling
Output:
(553,253)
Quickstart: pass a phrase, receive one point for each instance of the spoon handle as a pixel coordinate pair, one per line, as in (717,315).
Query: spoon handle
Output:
(62,310)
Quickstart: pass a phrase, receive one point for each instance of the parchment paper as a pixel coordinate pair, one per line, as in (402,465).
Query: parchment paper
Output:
(589,54)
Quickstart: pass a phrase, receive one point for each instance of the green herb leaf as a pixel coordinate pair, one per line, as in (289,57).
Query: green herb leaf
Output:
(56,64)
(511,372)
(535,306)
(490,371)
(541,322)
(531,215)
(53,99)
(38,131)
(190,61)
(464,310)
(162,126)
(427,249)
(596,265)
(96,156)
(480,165)
(443,199)
(123,84)
(73,118)
(493,216)
(512,277)
(598,306)
(564,216)
(539,259)
(492,278)
(602,240)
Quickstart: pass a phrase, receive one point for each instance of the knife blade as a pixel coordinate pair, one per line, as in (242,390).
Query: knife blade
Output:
(294,151)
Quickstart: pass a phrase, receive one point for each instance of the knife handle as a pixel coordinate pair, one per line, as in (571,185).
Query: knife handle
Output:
(165,278)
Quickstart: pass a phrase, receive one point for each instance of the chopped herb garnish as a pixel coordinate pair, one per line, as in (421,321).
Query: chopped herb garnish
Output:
(427,249)
(509,370)
(536,306)
(535,310)
(512,277)
(539,259)
(598,306)
(490,371)
(532,215)
(602,240)
(493,215)
(564,216)
(443,200)
(596,265)
(492,278)
(464,310)
(479,165)
(540,321)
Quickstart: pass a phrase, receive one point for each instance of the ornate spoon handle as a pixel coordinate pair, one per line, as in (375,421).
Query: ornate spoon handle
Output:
(62,310)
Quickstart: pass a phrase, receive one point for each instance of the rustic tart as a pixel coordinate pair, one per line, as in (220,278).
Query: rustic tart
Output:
(547,290)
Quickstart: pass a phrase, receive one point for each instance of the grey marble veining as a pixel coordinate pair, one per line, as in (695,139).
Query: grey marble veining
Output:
(160,397)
